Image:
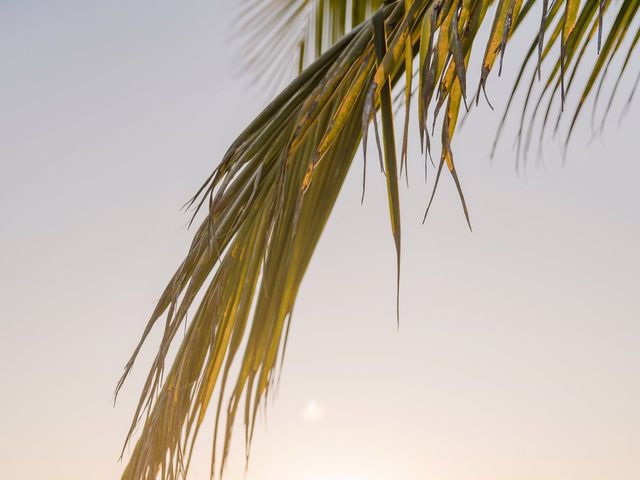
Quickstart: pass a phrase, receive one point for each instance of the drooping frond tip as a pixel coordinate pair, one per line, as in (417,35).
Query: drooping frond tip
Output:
(271,195)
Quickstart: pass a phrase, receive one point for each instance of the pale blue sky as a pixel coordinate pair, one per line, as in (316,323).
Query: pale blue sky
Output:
(518,353)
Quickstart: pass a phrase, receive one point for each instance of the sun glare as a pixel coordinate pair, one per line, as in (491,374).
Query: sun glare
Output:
(313,412)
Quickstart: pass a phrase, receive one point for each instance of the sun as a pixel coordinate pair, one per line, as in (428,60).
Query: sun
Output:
(313,412)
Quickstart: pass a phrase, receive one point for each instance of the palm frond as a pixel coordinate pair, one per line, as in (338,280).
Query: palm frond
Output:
(279,38)
(269,198)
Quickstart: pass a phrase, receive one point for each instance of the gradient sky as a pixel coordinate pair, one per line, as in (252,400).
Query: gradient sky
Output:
(518,351)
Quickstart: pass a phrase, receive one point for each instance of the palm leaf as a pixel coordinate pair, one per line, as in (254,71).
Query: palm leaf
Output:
(269,198)
(279,38)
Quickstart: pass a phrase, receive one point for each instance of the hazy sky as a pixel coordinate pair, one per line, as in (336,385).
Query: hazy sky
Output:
(518,352)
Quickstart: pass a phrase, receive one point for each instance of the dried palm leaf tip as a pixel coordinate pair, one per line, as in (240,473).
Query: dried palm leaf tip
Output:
(271,195)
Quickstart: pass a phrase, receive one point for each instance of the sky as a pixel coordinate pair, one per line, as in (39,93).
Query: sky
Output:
(518,349)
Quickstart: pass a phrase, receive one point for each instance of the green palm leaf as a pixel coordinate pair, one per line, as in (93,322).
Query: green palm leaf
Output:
(278,39)
(269,198)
